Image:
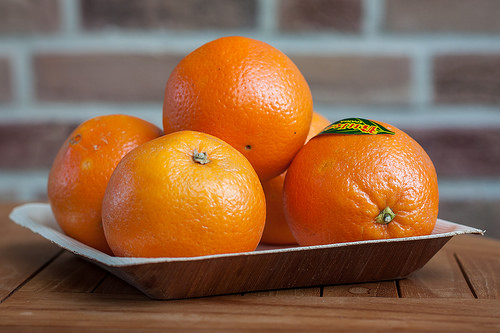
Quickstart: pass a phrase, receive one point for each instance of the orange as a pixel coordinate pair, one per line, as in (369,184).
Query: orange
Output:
(182,195)
(276,230)
(248,94)
(343,188)
(82,168)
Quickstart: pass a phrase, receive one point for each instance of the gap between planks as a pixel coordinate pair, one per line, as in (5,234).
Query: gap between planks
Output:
(32,275)
(465,275)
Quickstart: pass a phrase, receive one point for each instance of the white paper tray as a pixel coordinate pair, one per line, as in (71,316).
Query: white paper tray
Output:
(266,268)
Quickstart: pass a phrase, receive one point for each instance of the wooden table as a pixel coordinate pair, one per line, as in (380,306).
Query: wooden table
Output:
(46,289)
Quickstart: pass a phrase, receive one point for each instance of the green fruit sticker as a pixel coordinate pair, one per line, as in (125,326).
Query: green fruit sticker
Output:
(356,126)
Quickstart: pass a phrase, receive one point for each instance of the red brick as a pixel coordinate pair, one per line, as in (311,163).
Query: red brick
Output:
(461,152)
(102,77)
(169,14)
(339,15)
(355,79)
(5,81)
(481,214)
(474,16)
(471,79)
(29,16)
(31,145)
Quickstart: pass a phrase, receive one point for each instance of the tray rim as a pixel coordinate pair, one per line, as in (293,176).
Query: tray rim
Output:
(19,216)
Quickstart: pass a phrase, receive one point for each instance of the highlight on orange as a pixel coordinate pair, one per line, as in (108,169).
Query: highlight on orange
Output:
(81,170)
(245,92)
(184,194)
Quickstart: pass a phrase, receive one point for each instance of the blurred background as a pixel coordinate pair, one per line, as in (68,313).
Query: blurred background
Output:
(430,67)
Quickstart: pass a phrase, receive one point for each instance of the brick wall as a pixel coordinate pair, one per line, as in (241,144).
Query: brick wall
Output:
(431,67)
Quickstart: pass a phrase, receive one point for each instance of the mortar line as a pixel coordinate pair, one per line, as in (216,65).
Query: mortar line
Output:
(421,78)
(320,43)
(70,22)
(373,13)
(267,16)
(23,77)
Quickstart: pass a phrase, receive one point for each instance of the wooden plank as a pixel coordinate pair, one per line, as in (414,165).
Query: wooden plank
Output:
(22,253)
(113,285)
(466,267)
(479,260)
(314,291)
(440,277)
(482,273)
(67,273)
(130,313)
(370,289)
(474,245)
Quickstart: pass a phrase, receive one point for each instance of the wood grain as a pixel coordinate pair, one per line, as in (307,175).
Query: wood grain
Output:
(478,258)
(49,290)
(474,244)
(313,291)
(440,277)
(370,289)
(67,273)
(248,313)
(113,285)
(22,253)
(482,273)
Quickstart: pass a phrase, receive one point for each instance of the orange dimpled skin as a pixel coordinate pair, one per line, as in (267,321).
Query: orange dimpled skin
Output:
(82,168)
(245,92)
(276,230)
(182,195)
(343,188)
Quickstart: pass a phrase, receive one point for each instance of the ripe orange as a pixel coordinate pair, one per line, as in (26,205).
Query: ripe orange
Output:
(245,92)
(184,194)
(276,230)
(81,170)
(342,188)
